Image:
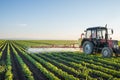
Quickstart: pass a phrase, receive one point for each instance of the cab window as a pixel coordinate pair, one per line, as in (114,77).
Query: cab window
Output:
(99,34)
(88,34)
(93,33)
(103,34)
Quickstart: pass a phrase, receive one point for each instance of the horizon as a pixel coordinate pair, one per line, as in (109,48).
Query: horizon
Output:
(56,19)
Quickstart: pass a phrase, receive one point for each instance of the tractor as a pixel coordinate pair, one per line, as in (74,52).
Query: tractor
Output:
(97,40)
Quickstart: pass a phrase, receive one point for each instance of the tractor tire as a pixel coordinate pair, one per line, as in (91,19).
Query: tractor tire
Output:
(88,47)
(107,52)
(116,54)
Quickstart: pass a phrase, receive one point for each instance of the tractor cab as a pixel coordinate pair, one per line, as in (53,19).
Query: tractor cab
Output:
(97,39)
(96,33)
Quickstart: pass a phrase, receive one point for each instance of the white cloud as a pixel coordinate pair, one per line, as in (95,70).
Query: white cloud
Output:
(22,25)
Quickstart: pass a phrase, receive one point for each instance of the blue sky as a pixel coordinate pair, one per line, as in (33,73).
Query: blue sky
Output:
(56,19)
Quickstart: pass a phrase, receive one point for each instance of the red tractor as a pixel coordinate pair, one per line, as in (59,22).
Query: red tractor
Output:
(97,40)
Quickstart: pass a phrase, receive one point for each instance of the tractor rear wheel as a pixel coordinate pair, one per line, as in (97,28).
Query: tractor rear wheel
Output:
(88,47)
(107,52)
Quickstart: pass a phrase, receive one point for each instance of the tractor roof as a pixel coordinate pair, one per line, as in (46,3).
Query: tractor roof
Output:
(98,27)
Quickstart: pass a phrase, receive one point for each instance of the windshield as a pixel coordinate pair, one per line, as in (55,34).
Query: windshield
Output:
(96,33)
(101,33)
(88,34)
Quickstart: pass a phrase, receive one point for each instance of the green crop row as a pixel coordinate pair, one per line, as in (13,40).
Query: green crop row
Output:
(27,73)
(78,62)
(8,74)
(63,65)
(69,69)
(47,73)
(107,62)
(77,57)
(76,65)
(2,42)
(101,68)
(65,75)
(102,60)
(1,52)
(53,68)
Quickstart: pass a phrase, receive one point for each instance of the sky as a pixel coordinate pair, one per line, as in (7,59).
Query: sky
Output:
(56,19)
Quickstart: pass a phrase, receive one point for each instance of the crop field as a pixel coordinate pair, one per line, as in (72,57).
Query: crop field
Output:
(28,43)
(17,64)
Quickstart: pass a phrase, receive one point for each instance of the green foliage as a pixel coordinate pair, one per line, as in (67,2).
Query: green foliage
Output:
(27,73)
(58,65)
(1,52)
(28,43)
(65,67)
(47,73)
(65,75)
(8,74)
(2,67)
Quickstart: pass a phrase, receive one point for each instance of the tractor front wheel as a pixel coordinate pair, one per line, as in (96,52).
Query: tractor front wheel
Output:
(107,52)
(88,47)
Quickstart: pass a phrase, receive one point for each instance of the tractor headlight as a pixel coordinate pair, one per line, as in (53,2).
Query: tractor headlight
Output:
(116,46)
